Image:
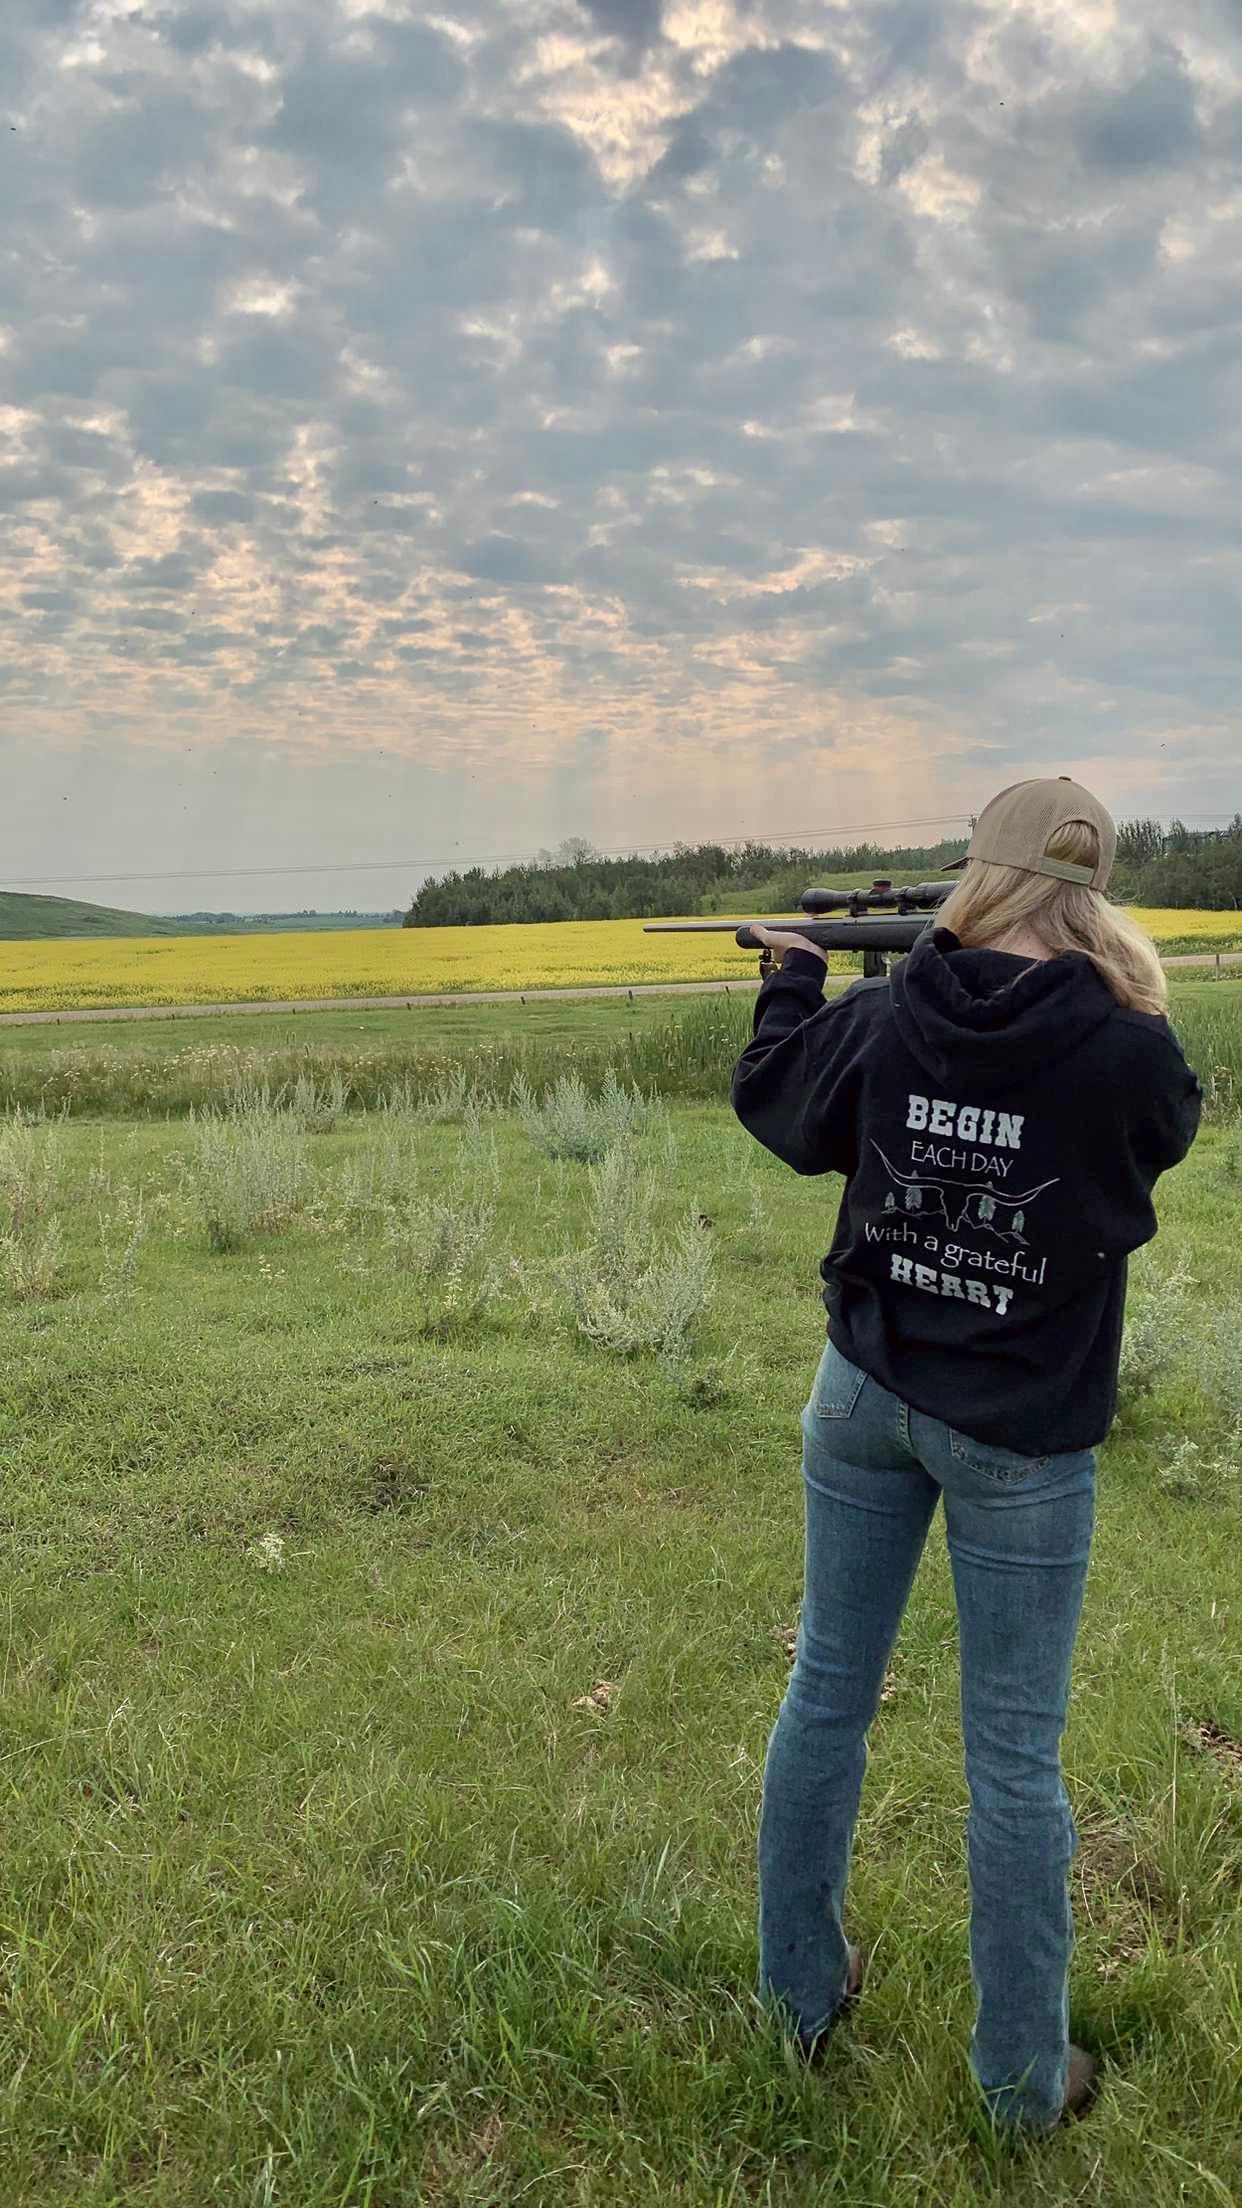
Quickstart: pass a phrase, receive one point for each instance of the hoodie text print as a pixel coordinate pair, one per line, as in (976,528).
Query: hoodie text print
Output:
(1000,1125)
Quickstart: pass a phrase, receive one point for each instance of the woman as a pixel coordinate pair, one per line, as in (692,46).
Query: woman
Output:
(1001,1110)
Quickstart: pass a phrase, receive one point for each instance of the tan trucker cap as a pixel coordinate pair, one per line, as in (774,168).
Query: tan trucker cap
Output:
(1017,825)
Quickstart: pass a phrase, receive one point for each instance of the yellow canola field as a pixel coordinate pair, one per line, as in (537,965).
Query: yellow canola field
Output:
(1167,923)
(376,962)
(354,962)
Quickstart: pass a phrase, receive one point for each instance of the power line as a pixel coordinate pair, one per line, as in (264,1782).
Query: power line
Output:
(804,837)
(491,858)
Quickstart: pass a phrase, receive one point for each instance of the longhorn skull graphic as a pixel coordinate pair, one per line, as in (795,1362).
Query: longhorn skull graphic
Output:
(961,1203)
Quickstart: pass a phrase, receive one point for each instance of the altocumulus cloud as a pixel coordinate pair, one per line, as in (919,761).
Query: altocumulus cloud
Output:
(628,387)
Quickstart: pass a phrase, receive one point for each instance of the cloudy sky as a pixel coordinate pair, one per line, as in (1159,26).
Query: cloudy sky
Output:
(428,433)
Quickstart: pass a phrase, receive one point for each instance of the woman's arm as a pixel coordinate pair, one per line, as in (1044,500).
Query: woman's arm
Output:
(795,1086)
(1169,1114)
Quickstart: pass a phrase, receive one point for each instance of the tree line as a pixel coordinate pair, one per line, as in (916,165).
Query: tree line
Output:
(578,883)
(1196,867)
(1155,866)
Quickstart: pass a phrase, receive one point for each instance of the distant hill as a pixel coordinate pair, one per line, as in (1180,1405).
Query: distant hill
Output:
(36,919)
(280,923)
(41,919)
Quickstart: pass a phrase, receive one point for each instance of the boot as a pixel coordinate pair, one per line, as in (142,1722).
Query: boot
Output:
(814,2049)
(1081,2083)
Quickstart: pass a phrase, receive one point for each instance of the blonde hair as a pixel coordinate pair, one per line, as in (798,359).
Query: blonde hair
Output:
(992,902)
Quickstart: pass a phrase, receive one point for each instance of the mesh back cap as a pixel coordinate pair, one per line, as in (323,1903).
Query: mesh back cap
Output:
(1017,825)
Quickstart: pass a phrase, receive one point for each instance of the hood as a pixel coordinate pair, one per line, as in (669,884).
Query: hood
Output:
(988,1016)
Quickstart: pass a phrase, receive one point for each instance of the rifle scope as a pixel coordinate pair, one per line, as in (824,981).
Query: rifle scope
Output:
(876,921)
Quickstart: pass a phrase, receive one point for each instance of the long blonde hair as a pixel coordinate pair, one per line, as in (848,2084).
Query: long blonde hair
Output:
(991,902)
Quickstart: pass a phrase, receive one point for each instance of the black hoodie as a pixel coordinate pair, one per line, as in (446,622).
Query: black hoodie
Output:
(1000,1125)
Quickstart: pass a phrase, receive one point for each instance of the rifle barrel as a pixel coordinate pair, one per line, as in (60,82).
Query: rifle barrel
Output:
(722,927)
(874,932)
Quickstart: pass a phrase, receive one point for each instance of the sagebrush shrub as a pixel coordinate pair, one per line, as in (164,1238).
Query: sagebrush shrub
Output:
(1193,1473)
(248,1169)
(1219,1361)
(378,1177)
(447,1092)
(445,1246)
(31,1238)
(318,1107)
(434,1237)
(627,1288)
(31,1262)
(1157,1314)
(567,1121)
(247,1095)
(29,1171)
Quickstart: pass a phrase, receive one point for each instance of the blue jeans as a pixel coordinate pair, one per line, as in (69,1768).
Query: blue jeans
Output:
(1019,1533)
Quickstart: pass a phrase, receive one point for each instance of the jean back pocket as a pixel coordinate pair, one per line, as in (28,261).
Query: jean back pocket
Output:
(996,1462)
(838,1385)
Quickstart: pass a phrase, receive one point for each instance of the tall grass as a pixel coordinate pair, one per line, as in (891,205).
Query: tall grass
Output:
(248,1168)
(412,1080)
(1209,1023)
(689,1055)
(29,1170)
(31,1235)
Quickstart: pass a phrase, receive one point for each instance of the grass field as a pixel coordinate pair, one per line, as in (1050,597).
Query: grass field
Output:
(370,962)
(321,1888)
(449,1025)
(153,1068)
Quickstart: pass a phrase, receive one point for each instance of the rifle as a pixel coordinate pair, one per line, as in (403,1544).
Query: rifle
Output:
(907,912)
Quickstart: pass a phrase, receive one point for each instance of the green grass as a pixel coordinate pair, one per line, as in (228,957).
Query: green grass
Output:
(316,1888)
(572,1020)
(679,1047)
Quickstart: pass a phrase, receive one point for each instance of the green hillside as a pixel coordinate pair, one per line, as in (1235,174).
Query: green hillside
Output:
(39,919)
(34,919)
